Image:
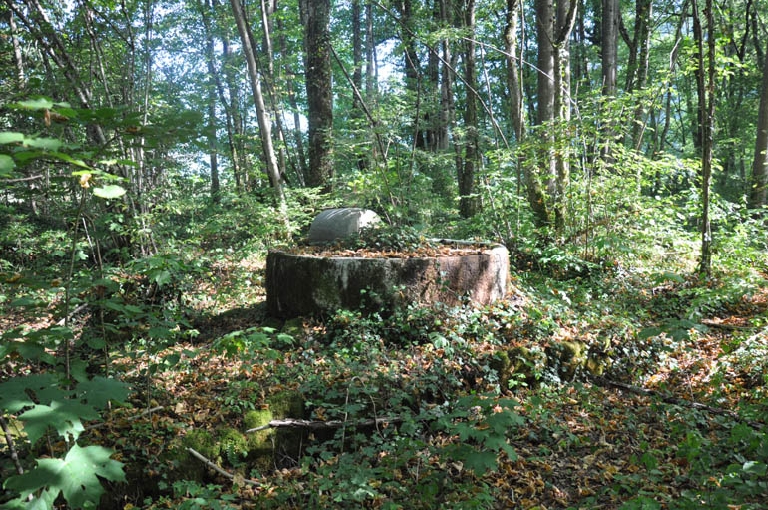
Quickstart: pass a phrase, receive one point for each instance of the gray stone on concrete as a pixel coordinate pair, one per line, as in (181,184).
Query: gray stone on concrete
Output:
(332,225)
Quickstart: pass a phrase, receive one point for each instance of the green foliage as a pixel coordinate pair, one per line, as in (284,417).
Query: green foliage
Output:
(47,405)
(76,477)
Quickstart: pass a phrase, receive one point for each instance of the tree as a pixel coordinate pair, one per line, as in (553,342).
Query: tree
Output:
(213,143)
(758,196)
(468,157)
(316,16)
(265,129)
(553,28)
(705,85)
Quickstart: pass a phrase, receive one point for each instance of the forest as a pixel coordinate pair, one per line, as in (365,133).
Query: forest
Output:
(153,153)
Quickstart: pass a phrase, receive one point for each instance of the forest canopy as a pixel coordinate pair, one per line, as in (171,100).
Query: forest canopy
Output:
(153,151)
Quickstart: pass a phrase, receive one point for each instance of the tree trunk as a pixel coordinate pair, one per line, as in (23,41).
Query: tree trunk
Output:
(213,145)
(564,21)
(705,81)
(514,69)
(18,60)
(317,49)
(542,169)
(265,128)
(468,201)
(298,137)
(758,196)
(609,45)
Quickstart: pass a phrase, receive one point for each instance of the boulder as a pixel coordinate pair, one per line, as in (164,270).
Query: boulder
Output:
(332,225)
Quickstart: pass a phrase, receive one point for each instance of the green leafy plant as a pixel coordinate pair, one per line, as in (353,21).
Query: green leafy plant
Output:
(46,405)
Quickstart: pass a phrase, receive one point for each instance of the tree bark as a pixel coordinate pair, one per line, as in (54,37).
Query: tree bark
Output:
(609,45)
(705,81)
(544,170)
(758,196)
(18,60)
(565,19)
(213,145)
(317,50)
(467,169)
(265,129)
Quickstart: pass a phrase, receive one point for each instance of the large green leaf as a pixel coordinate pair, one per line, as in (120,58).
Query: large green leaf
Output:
(18,392)
(100,390)
(42,103)
(49,144)
(76,476)
(11,137)
(109,192)
(64,416)
(6,165)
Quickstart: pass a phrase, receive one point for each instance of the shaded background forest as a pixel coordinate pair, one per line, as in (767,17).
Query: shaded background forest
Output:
(152,151)
(525,128)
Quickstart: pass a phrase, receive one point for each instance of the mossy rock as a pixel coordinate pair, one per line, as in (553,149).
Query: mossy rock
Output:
(233,445)
(288,441)
(518,362)
(567,357)
(267,447)
(185,466)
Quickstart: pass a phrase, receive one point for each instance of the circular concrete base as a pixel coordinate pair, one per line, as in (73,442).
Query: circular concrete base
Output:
(305,284)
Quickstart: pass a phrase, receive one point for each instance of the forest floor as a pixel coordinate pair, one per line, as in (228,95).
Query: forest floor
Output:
(686,426)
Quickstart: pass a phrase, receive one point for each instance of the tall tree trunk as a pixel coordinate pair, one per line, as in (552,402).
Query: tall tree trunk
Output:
(758,196)
(18,60)
(357,74)
(543,168)
(267,12)
(705,86)
(298,137)
(447,106)
(317,50)
(412,69)
(609,59)
(565,19)
(609,45)
(265,128)
(468,201)
(213,144)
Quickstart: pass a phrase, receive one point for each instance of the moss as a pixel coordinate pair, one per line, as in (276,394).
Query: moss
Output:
(286,404)
(203,442)
(185,466)
(262,439)
(233,445)
(266,446)
(568,357)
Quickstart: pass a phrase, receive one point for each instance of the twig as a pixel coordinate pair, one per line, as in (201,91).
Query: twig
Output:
(322,425)
(74,312)
(11,447)
(218,469)
(678,401)
(731,327)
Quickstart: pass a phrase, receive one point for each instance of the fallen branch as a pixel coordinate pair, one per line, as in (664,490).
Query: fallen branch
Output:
(322,425)
(730,327)
(11,447)
(71,314)
(678,401)
(218,469)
